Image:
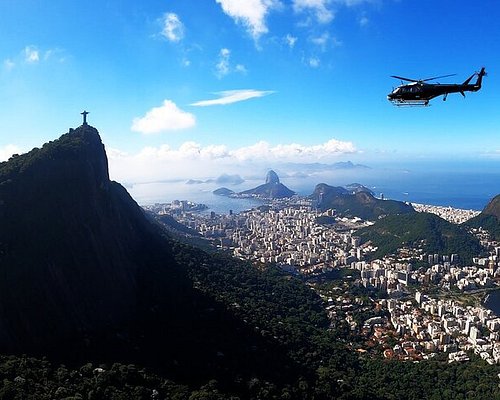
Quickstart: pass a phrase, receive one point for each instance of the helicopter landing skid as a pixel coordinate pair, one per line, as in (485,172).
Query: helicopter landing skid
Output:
(410,103)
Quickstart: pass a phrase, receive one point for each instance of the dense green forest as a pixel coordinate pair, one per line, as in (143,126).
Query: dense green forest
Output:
(314,361)
(428,231)
(490,223)
(489,218)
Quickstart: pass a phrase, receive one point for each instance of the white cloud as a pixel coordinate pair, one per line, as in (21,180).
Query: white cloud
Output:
(324,10)
(167,117)
(293,152)
(31,54)
(363,21)
(290,40)
(224,66)
(351,3)
(173,28)
(57,54)
(324,41)
(7,151)
(314,62)
(319,8)
(8,64)
(240,68)
(193,160)
(233,96)
(250,13)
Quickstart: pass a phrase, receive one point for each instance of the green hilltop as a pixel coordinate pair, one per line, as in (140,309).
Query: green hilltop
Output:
(432,233)
(360,204)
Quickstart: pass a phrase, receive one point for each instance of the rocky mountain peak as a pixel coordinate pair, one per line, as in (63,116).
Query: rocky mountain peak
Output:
(272,177)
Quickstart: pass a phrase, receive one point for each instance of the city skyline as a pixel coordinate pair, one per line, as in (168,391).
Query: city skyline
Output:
(219,85)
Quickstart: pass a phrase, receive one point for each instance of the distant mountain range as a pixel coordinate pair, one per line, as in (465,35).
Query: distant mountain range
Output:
(324,167)
(222,179)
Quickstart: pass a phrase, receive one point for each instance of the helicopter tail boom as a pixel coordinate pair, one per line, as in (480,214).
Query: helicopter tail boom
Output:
(480,75)
(466,82)
(479,80)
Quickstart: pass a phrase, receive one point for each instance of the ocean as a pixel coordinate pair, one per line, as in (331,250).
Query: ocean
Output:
(458,187)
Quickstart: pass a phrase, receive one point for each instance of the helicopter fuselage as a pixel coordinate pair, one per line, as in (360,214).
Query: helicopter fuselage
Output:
(420,92)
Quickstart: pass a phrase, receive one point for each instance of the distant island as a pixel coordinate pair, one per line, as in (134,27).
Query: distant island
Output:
(224,179)
(223,192)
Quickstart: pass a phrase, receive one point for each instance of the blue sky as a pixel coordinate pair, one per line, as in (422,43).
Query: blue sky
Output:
(216,86)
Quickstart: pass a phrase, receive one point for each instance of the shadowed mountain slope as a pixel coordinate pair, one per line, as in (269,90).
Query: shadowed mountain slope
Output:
(86,275)
(76,252)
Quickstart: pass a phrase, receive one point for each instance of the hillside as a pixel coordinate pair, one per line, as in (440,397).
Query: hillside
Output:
(414,229)
(85,275)
(76,251)
(489,218)
(361,204)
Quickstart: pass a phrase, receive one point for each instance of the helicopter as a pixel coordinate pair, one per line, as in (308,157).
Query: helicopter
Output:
(419,93)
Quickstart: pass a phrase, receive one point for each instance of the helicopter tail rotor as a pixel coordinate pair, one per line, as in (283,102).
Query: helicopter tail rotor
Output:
(480,78)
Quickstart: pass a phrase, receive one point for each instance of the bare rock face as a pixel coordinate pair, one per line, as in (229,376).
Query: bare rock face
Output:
(272,178)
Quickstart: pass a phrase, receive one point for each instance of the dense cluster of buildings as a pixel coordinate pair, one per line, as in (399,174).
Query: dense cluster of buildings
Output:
(292,234)
(428,325)
(392,277)
(453,215)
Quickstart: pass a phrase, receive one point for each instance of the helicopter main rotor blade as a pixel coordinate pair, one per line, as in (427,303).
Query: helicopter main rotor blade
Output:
(436,77)
(404,79)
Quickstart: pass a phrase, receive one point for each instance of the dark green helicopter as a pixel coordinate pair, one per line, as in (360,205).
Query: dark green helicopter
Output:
(418,92)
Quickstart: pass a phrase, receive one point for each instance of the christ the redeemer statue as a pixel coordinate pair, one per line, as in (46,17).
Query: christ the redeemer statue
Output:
(84,113)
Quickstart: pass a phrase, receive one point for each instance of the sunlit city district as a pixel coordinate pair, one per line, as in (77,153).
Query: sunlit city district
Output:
(417,325)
